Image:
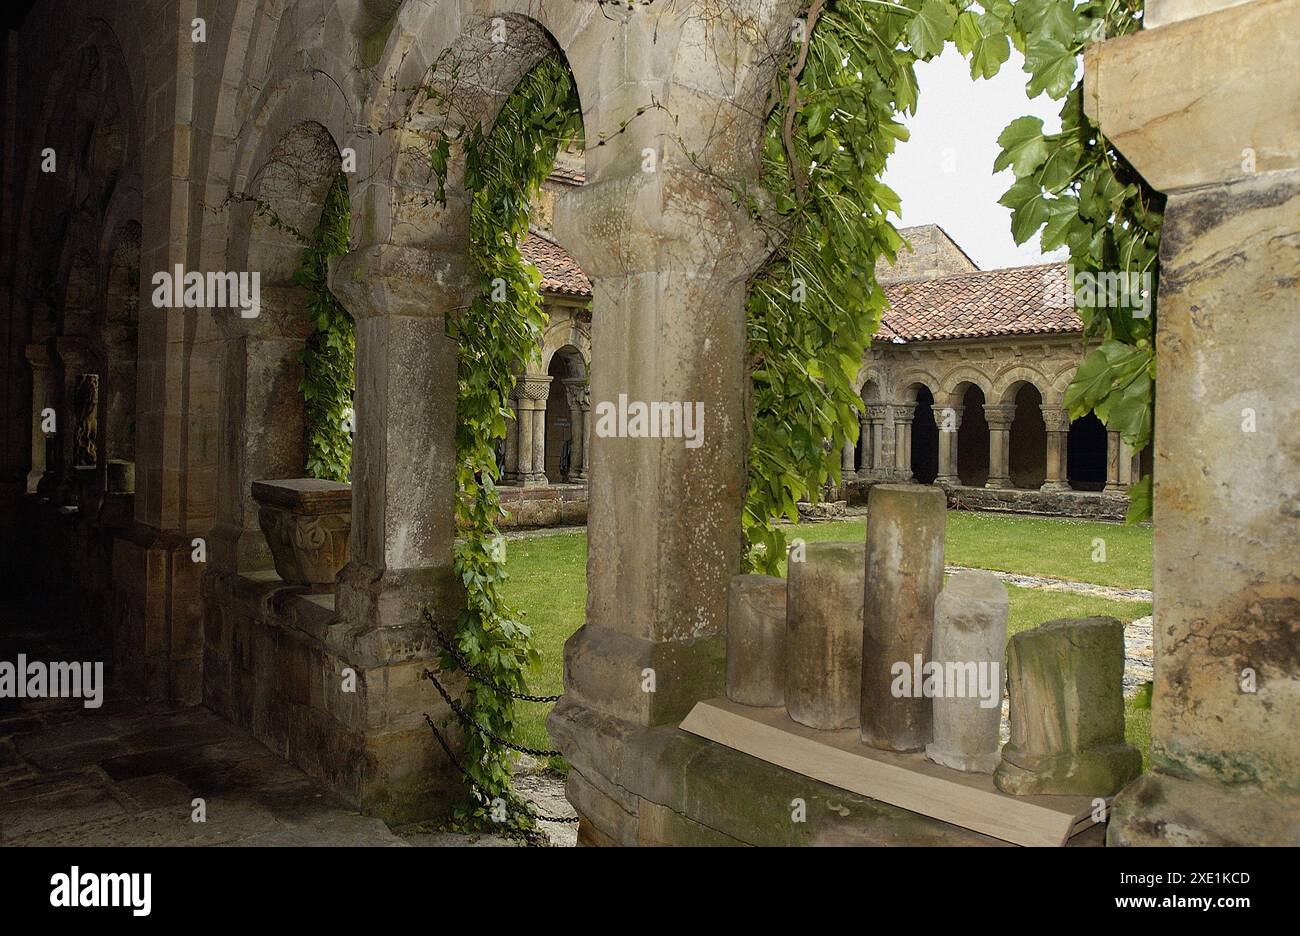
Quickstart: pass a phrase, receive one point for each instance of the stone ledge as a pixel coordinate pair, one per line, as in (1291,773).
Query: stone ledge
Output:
(686,790)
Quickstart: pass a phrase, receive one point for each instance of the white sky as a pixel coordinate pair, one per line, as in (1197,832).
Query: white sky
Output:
(944,173)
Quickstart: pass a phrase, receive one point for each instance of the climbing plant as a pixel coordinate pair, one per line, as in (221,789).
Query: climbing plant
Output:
(329,358)
(501,330)
(1081,193)
(815,305)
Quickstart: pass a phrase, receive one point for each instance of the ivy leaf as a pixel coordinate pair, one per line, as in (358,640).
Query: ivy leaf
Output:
(989,55)
(1051,67)
(1061,213)
(1059,21)
(1023,146)
(1028,209)
(930,28)
(967,33)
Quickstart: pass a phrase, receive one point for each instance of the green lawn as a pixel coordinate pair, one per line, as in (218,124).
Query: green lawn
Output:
(548,585)
(1056,548)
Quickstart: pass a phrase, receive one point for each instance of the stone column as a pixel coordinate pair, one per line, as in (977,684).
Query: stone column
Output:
(756,628)
(513,426)
(1065,680)
(75,359)
(579,403)
(876,413)
(865,429)
(847,453)
(823,641)
(903,413)
(38,358)
(1125,465)
(904,573)
(404,449)
(970,643)
(1113,459)
(948,421)
(1224,757)
(1056,420)
(999,417)
(533,393)
(524,434)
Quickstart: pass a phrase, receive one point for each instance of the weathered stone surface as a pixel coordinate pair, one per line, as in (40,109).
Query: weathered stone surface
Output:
(1065,680)
(756,637)
(823,651)
(306,522)
(904,573)
(970,638)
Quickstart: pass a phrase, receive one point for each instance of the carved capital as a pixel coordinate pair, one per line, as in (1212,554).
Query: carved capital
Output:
(1056,419)
(999,415)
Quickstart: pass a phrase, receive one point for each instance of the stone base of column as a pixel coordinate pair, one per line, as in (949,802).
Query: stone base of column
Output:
(532,480)
(1050,486)
(1000,483)
(947,480)
(1115,489)
(1159,809)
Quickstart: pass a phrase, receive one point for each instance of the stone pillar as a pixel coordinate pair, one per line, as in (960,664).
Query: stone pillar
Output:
(1113,459)
(404,449)
(1125,465)
(903,413)
(904,573)
(876,414)
(847,453)
(38,358)
(999,417)
(1065,680)
(579,404)
(1224,757)
(513,426)
(1056,421)
(533,391)
(948,421)
(524,434)
(868,449)
(823,643)
(756,629)
(970,643)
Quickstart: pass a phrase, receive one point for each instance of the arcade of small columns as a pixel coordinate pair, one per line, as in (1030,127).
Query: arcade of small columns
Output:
(877,462)
(526,447)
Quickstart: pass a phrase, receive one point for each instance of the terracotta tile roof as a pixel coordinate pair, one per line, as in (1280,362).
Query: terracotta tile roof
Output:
(1018,301)
(561,275)
(981,304)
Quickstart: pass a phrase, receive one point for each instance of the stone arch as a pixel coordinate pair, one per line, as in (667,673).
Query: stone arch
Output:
(867,456)
(916,433)
(1027,455)
(567,371)
(972,433)
(261,421)
(960,379)
(1009,379)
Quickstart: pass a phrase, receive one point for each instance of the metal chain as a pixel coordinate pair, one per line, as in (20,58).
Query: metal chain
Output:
(471,722)
(472,672)
(479,789)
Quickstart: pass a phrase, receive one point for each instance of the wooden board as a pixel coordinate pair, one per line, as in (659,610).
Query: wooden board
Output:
(909,781)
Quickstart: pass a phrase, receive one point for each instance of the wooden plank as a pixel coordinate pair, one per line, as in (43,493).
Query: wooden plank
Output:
(909,781)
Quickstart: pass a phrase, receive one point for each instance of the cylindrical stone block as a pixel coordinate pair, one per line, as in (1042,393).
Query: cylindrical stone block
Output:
(823,651)
(970,642)
(1065,680)
(904,572)
(756,640)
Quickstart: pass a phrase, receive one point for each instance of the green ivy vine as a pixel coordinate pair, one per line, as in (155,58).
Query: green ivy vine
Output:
(329,358)
(500,331)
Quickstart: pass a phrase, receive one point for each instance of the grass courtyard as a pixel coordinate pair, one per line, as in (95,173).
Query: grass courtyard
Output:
(547,584)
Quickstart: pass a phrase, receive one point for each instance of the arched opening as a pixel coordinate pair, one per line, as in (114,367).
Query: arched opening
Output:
(262,411)
(864,449)
(1086,454)
(973,439)
(564,419)
(925,438)
(1027,456)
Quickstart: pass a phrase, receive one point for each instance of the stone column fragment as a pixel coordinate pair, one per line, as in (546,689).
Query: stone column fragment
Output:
(823,675)
(756,640)
(970,642)
(904,573)
(1065,680)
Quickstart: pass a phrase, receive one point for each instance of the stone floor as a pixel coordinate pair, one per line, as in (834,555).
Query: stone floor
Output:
(131,773)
